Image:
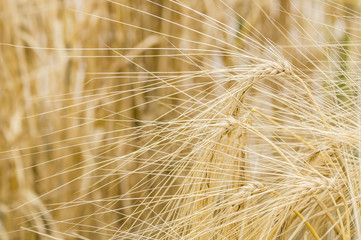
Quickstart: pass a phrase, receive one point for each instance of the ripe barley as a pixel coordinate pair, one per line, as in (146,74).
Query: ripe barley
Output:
(180,120)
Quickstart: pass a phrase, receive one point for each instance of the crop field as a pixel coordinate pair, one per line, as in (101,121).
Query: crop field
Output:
(176,119)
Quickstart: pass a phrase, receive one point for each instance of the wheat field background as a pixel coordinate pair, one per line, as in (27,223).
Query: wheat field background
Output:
(174,119)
